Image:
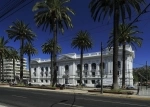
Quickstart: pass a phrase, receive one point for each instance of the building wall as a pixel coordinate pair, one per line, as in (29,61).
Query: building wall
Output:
(68,68)
(8,69)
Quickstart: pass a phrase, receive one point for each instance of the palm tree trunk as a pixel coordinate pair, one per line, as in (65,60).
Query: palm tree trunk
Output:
(51,80)
(81,63)
(29,62)
(0,67)
(123,65)
(55,53)
(14,69)
(2,70)
(21,60)
(115,45)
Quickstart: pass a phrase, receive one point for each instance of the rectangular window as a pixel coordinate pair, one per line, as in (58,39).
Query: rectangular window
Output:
(85,74)
(85,81)
(46,73)
(42,69)
(93,81)
(78,81)
(119,64)
(34,69)
(46,68)
(41,80)
(93,74)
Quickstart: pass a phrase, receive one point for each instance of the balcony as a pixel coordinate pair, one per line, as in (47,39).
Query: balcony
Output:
(93,70)
(77,71)
(85,70)
(42,73)
(46,73)
(65,76)
(66,71)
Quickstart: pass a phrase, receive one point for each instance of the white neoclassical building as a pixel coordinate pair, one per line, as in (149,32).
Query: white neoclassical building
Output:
(69,64)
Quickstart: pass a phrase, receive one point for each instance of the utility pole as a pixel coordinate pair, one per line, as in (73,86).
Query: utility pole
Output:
(146,75)
(101,65)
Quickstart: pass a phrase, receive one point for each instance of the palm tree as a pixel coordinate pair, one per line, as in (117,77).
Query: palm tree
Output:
(126,37)
(29,50)
(4,49)
(15,57)
(53,14)
(118,8)
(20,31)
(48,48)
(82,42)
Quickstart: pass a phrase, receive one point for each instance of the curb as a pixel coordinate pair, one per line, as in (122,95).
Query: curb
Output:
(84,92)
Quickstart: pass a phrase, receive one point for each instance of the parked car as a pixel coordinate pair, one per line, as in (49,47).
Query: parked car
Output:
(97,85)
(70,84)
(129,87)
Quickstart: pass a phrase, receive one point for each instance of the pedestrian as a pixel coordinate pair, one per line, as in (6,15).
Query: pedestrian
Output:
(138,90)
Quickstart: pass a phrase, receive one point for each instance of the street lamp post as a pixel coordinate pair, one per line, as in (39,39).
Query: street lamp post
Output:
(101,65)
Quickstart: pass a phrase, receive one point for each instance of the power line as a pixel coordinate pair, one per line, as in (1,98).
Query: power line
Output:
(11,7)
(17,10)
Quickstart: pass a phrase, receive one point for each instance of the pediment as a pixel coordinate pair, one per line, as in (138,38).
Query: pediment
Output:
(34,62)
(65,57)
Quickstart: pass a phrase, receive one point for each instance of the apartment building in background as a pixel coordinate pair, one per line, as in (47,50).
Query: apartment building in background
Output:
(8,70)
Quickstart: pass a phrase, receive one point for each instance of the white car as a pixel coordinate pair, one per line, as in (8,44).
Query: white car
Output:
(70,84)
(129,87)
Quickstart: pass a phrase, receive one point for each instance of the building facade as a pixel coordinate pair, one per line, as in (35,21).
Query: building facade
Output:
(68,68)
(8,70)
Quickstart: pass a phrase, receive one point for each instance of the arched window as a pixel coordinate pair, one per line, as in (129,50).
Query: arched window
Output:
(103,65)
(34,69)
(93,65)
(46,68)
(78,67)
(118,73)
(57,68)
(66,67)
(42,69)
(85,66)
(34,72)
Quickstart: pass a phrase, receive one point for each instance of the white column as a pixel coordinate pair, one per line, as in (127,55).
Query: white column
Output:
(59,70)
(38,74)
(89,69)
(74,73)
(97,69)
(106,66)
(89,74)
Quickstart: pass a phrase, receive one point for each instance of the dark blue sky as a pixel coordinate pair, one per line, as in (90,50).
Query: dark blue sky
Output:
(82,20)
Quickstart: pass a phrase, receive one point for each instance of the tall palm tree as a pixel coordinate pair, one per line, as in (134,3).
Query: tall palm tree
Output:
(55,15)
(118,9)
(126,37)
(29,50)
(15,57)
(4,49)
(82,42)
(20,31)
(48,48)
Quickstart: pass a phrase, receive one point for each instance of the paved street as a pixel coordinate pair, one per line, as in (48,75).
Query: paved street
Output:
(34,98)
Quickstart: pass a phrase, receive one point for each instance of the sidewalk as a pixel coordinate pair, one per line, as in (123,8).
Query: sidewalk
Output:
(84,91)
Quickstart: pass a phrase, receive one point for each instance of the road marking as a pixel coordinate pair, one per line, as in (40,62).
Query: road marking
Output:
(70,105)
(115,102)
(38,93)
(18,96)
